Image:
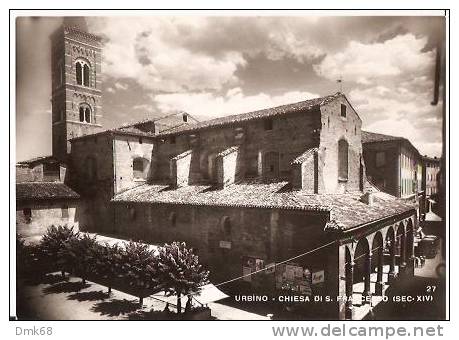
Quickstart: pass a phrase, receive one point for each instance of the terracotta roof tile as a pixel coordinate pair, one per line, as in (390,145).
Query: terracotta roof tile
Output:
(347,210)
(44,191)
(305,156)
(306,105)
(370,137)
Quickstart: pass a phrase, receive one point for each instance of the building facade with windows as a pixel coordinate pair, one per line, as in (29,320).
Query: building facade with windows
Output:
(431,172)
(393,164)
(42,197)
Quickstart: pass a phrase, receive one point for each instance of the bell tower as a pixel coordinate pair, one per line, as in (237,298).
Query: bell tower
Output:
(76,98)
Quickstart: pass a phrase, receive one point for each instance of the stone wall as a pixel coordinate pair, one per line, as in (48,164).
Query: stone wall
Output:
(96,189)
(268,234)
(334,128)
(289,137)
(45,214)
(126,149)
(385,177)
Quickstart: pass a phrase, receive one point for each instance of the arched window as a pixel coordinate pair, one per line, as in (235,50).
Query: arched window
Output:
(343,151)
(85,113)
(226,226)
(86,75)
(82,71)
(81,114)
(173,219)
(78,72)
(140,168)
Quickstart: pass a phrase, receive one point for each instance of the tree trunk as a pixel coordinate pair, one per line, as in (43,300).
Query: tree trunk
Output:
(179,303)
(83,280)
(109,290)
(63,273)
(141,301)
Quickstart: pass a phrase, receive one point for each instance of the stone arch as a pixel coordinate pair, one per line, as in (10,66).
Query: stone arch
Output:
(377,250)
(400,242)
(82,71)
(389,243)
(409,231)
(349,277)
(362,266)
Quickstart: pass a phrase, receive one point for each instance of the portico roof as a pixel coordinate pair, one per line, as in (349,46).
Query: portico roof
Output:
(346,210)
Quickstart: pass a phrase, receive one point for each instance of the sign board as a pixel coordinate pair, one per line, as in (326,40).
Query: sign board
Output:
(270,268)
(318,277)
(225,244)
(247,271)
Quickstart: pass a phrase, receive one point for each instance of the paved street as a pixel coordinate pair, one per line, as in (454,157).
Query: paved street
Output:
(57,299)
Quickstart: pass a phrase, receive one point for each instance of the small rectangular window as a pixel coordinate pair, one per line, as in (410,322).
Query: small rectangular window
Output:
(343,110)
(65,211)
(27,214)
(380,159)
(268,124)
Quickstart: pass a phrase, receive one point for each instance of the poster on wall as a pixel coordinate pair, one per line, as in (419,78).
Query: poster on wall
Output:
(293,277)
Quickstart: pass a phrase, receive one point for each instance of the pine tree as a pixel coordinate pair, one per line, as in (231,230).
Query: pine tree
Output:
(180,271)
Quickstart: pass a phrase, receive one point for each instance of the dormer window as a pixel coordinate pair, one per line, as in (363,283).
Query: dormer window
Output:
(343,110)
(185,117)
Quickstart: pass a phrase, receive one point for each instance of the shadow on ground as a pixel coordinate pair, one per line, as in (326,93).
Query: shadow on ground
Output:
(116,307)
(89,296)
(65,287)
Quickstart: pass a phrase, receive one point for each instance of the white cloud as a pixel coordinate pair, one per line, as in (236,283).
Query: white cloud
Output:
(407,113)
(141,49)
(182,53)
(209,105)
(121,86)
(365,63)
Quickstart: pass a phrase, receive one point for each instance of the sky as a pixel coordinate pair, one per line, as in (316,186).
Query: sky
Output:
(210,66)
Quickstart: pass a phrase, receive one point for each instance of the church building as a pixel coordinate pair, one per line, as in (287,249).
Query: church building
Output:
(279,185)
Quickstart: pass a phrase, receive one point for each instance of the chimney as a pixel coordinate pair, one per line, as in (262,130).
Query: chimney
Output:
(180,169)
(226,163)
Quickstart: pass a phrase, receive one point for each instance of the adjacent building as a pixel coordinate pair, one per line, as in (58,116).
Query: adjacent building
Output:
(42,197)
(393,164)
(430,175)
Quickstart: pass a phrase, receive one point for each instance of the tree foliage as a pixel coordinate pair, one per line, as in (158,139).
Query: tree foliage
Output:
(80,254)
(139,266)
(180,271)
(109,265)
(53,242)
